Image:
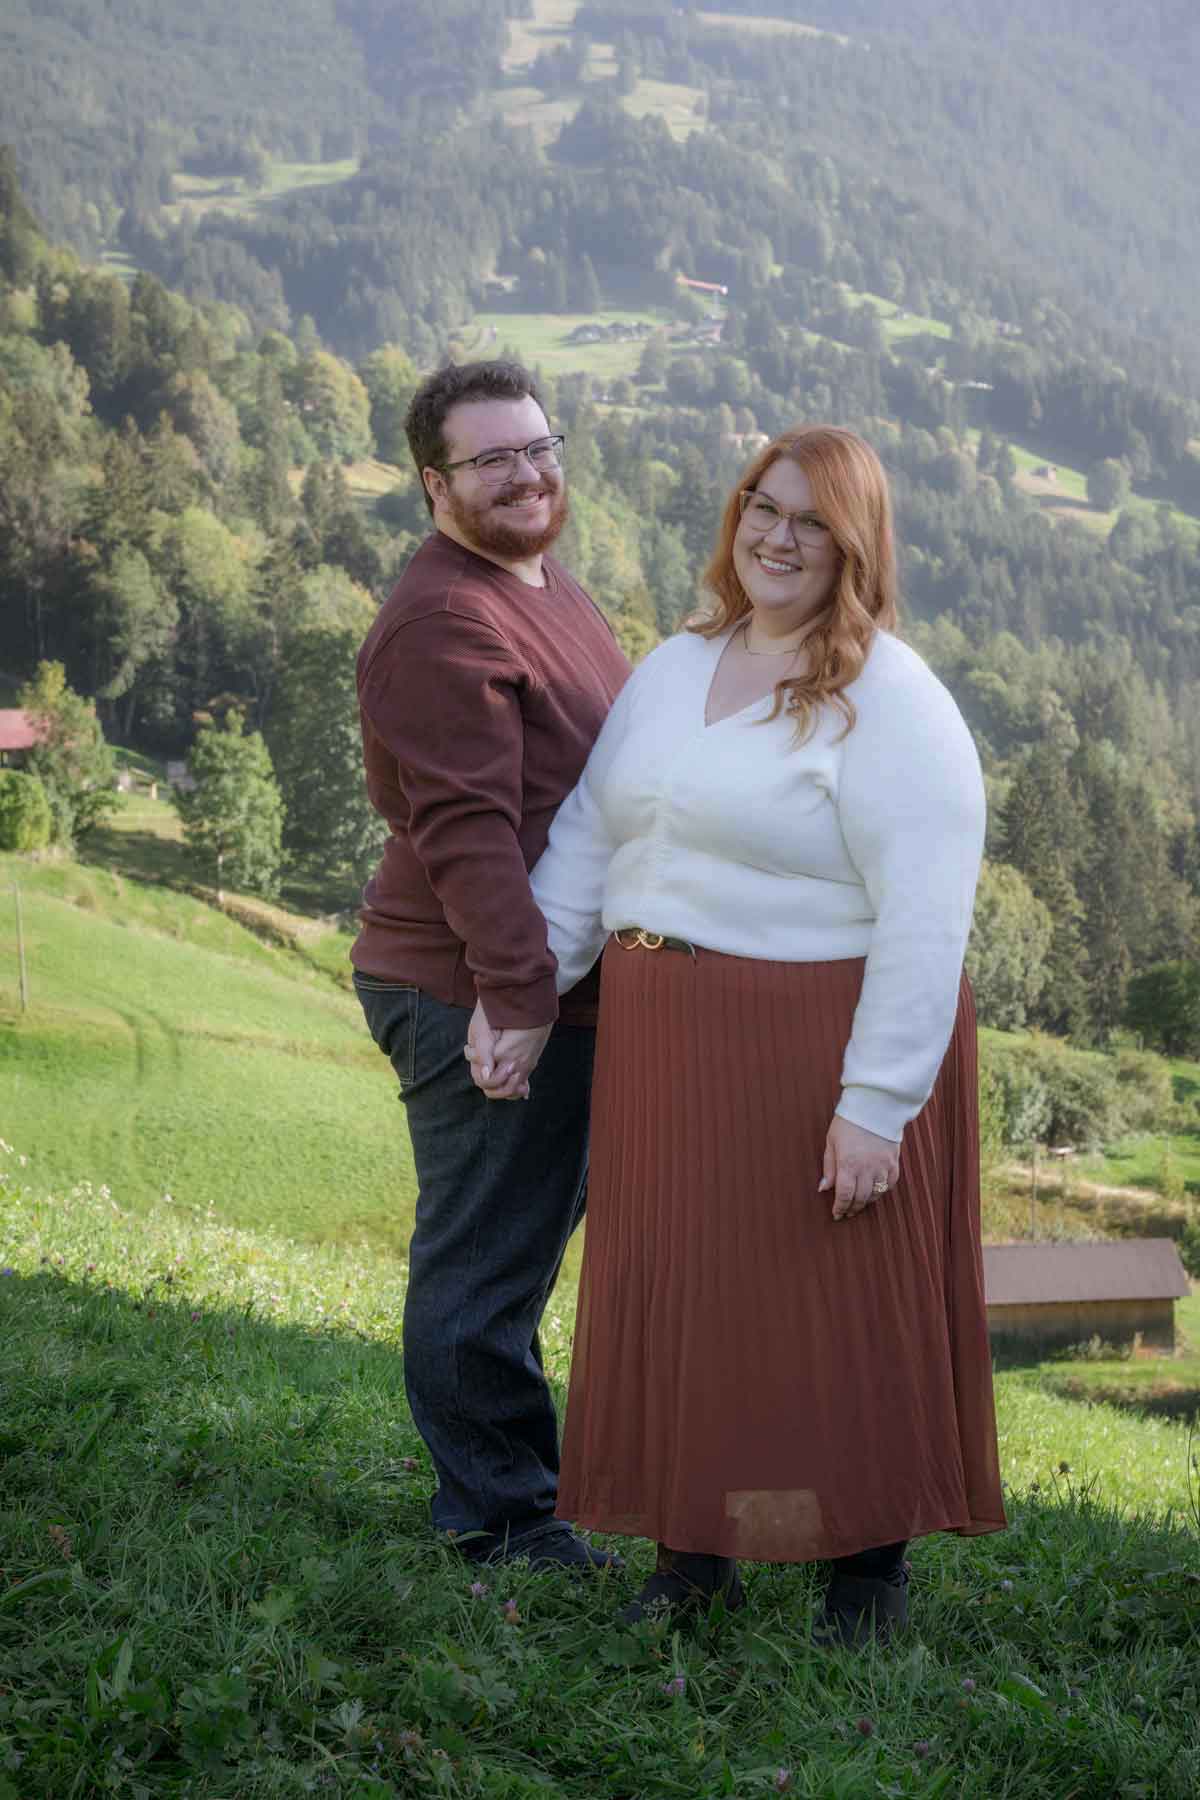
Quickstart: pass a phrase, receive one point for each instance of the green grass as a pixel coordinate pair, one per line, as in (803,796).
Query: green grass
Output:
(1167,1386)
(168,1049)
(218,1579)
(200,194)
(896,322)
(540,340)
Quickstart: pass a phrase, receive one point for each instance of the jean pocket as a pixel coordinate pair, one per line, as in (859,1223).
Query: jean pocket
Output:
(391,1009)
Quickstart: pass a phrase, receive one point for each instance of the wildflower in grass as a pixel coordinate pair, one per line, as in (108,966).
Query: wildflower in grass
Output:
(409,1464)
(195,1316)
(922,1747)
(511,1615)
(865,1727)
(676,1686)
(968,1686)
(1006,1586)
(60,1537)
(479,1590)
(1064,1468)
(783,1780)
(7,1271)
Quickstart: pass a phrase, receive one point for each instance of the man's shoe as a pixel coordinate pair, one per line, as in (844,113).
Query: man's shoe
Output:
(860,1609)
(555,1546)
(686,1582)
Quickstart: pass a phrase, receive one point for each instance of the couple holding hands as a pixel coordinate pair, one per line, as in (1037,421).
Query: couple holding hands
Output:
(754,860)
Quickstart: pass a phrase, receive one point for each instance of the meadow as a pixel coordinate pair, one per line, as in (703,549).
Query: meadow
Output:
(170,1051)
(218,1582)
(217,1578)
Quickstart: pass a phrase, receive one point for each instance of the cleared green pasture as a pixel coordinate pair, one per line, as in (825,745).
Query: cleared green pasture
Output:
(754,25)
(547,28)
(200,194)
(167,1050)
(896,321)
(540,340)
(681,106)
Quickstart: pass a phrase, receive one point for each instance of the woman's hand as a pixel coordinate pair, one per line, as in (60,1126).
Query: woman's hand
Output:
(502,1061)
(859,1166)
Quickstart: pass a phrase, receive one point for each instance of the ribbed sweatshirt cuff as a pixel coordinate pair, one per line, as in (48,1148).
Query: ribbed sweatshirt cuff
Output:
(520,1008)
(876,1110)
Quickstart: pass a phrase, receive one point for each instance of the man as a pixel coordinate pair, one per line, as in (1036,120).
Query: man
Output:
(482,686)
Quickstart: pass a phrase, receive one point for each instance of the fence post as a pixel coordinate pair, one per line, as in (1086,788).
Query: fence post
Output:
(24,977)
(1033,1191)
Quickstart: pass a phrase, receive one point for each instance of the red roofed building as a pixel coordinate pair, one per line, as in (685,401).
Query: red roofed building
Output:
(19,732)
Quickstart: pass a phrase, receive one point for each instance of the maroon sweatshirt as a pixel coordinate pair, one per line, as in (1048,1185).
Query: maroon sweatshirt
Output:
(480,699)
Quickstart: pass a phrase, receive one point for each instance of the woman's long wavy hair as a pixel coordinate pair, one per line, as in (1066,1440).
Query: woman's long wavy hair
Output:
(850,492)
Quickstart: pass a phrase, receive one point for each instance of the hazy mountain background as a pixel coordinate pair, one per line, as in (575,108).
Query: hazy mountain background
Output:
(232,238)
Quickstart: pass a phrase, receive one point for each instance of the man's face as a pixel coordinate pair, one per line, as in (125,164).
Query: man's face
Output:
(520,517)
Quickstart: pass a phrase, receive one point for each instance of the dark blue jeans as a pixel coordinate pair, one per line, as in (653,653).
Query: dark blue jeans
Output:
(501,1189)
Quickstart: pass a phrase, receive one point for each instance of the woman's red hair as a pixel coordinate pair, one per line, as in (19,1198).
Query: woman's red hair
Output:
(850,492)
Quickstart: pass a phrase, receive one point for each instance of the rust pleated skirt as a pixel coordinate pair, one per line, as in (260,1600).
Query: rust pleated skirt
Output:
(749,1378)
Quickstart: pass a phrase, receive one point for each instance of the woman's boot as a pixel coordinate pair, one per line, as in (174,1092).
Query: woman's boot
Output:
(687,1582)
(866,1600)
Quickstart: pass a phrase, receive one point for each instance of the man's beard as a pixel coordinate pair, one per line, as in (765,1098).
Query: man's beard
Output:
(488,531)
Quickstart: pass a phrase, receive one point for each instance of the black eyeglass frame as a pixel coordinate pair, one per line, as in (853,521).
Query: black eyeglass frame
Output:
(556,441)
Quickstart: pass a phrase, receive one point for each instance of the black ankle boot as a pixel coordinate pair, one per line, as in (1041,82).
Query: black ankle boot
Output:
(861,1609)
(687,1582)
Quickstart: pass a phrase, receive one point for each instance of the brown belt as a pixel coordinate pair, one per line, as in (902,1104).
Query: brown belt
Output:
(632,937)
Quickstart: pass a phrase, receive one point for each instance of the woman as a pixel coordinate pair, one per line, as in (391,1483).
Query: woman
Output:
(781,1350)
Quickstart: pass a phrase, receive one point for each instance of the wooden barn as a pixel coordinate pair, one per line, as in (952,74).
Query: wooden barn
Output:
(1045,1297)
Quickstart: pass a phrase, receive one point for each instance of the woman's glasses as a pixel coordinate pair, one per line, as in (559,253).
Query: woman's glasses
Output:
(761,514)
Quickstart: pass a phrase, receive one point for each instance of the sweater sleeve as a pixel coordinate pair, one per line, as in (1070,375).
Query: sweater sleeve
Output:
(570,876)
(446,703)
(912,813)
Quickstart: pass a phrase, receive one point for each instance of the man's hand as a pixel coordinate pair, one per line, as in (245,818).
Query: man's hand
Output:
(502,1061)
(859,1166)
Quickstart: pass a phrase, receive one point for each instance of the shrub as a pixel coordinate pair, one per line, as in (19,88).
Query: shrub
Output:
(1016,1089)
(1049,1093)
(1189,1248)
(25,818)
(1147,1092)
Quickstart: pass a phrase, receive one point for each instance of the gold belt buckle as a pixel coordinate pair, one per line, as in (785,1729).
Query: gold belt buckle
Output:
(648,940)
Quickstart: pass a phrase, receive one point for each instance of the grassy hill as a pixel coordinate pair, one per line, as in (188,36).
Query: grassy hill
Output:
(169,1050)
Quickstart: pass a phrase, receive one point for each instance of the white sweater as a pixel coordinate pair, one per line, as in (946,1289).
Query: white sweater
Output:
(737,839)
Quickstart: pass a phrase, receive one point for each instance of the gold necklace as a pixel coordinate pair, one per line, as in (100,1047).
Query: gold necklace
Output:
(791,650)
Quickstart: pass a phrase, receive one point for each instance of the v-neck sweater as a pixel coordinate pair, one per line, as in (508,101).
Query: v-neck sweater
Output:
(734,837)
(480,698)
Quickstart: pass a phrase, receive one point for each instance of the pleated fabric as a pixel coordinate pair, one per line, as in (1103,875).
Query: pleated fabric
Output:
(750,1378)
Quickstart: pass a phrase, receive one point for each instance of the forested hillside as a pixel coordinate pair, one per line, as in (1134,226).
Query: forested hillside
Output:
(189,516)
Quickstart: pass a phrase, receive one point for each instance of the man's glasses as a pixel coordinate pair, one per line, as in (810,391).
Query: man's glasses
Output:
(498,466)
(762,515)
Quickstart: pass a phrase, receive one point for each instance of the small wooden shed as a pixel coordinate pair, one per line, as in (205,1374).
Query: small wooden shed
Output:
(1045,1297)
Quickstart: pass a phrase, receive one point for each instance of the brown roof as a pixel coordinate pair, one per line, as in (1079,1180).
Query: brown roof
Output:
(18,730)
(1131,1269)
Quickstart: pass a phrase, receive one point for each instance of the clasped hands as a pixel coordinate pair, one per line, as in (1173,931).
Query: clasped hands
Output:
(503,1060)
(859,1167)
